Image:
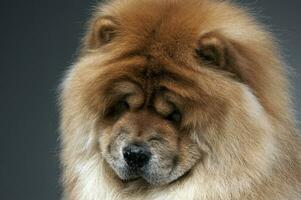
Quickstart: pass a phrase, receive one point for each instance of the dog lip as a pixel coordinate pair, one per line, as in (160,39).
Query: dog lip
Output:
(182,177)
(130,180)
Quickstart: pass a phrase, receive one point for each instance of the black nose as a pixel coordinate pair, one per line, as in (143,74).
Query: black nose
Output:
(136,156)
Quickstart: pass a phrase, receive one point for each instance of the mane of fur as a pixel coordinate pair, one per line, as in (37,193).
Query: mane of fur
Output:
(267,168)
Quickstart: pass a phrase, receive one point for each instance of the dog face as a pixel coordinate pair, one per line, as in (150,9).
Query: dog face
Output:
(158,81)
(150,91)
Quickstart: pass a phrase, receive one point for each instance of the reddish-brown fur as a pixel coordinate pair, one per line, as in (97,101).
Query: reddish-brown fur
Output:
(236,135)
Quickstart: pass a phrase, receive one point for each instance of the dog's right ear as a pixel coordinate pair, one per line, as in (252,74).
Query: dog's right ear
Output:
(101,32)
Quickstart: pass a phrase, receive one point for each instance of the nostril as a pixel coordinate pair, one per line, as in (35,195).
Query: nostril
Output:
(136,156)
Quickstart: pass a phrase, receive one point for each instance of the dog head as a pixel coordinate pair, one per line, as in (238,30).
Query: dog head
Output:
(158,80)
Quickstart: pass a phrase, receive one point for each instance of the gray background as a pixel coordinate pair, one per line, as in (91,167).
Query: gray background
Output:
(38,41)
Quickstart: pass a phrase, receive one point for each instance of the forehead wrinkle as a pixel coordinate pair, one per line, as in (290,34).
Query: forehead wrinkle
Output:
(157,26)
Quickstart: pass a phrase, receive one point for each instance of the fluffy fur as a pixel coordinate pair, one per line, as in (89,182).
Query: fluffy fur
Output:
(206,59)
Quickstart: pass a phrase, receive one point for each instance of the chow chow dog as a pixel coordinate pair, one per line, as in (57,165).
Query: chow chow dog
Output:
(178,100)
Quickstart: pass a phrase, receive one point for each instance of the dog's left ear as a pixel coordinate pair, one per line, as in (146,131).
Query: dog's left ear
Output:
(211,49)
(219,52)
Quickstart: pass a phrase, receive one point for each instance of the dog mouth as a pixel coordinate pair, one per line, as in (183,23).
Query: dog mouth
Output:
(183,177)
(140,177)
(152,173)
(153,163)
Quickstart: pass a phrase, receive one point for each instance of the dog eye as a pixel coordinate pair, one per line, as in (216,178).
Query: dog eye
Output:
(122,106)
(119,108)
(175,116)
